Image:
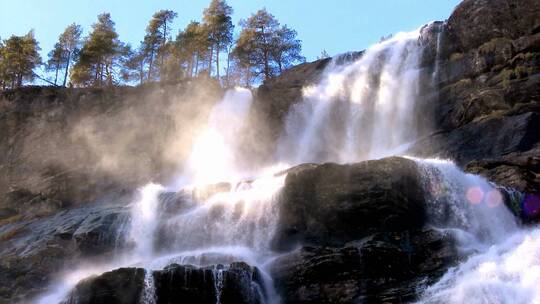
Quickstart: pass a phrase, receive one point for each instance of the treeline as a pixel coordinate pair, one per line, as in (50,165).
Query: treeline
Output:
(262,49)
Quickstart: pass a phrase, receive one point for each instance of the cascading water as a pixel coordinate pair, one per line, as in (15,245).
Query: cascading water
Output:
(362,110)
(359,111)
(503,264)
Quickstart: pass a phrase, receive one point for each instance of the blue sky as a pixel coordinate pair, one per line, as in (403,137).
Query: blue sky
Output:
(334,25)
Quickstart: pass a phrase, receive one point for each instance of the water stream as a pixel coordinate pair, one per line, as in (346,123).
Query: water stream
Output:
(359,110)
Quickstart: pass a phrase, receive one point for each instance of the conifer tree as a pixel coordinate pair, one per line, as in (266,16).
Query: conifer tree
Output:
(217,20)
(264,47)
(155,40)
(100,55)
(19,57)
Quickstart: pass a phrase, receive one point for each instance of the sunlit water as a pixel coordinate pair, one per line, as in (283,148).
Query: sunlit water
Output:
(361,110)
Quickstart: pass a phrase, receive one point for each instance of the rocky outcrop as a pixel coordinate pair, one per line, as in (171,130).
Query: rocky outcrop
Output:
(487,110)
(383,268)
(62,147)
(33,250)
(122,286)
(237,283)
(332,204)
(360,230)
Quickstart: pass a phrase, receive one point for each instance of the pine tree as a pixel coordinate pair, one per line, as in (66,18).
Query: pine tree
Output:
(155,40)
(134,65)
(56,59)
(70,41)
(193,45)
(286,49)
(20,56)
(264,47)
(100,55)
(217,20)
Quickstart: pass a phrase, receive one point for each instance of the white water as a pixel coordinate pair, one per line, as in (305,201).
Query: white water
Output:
(358,111)
(502,263)
(213,155)
(362,110)
(435,74)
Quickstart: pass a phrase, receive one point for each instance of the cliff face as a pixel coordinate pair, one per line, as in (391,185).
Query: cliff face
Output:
(487,110)
(484,109)
(66,147)
(63,148)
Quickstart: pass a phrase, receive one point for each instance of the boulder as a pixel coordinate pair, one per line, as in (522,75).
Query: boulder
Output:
(332,204)
(383,268)
(121,286)
(236,283)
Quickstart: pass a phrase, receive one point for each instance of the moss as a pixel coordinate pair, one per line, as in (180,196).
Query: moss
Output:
(456,56)
(508,75)
(494,46)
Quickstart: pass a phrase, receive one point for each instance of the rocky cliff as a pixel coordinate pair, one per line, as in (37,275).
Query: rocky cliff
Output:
(360,230)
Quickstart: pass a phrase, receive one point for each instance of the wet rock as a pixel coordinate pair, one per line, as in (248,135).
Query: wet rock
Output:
(484,139)
(121,286)
(33,250)
(383,268)
(520,171)
(236,283)
(331,204)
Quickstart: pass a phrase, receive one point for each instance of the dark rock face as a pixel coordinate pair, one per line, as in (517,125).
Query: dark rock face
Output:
(486,139)
(332,204)
(70,147)
(362,226)
(475,21)
(234,284)
(237,283)
(31,251)
(486,114)
(383,268)
(121,286)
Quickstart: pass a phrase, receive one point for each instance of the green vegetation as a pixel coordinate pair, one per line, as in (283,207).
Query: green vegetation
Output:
(263,49)
(19,56)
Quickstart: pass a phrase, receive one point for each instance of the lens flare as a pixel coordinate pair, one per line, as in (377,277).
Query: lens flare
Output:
(494,198)
(531,205)
(475,195)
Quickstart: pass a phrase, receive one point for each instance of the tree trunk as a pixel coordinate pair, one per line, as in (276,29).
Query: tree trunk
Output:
(228,66)
(197,64)
(67,68)
(217,61)
(141,72)
(210,61)
(266,66)
(56,74)
(163,46)
(150,64)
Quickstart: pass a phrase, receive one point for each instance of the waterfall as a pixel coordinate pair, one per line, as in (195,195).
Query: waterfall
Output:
(358,111)
(502,263)
(213,158)
(149,289)
(144,219)
(435,74)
